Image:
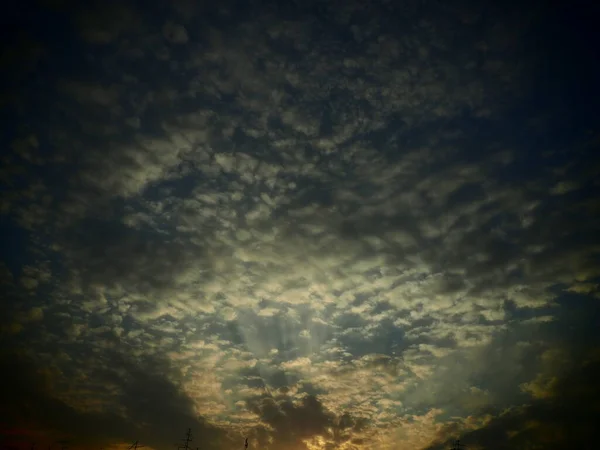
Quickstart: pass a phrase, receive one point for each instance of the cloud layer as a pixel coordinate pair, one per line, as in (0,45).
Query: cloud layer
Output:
(319,225)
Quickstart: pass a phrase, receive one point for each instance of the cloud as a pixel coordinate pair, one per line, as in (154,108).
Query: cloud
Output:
(559,418)
(348,229)
(107,253)
(27,402)
(302,424)
(107,23)
(150,404)
(175,33)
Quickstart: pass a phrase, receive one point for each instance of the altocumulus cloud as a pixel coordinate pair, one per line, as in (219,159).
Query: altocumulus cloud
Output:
(319,225)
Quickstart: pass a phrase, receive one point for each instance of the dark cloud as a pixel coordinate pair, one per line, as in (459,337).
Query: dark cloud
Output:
(561,413)
(107,252)
(154,401)
(293,423)
(28,402)
(156,412)
(564,420)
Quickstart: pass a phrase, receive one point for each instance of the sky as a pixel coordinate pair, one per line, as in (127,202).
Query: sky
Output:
(318,224)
